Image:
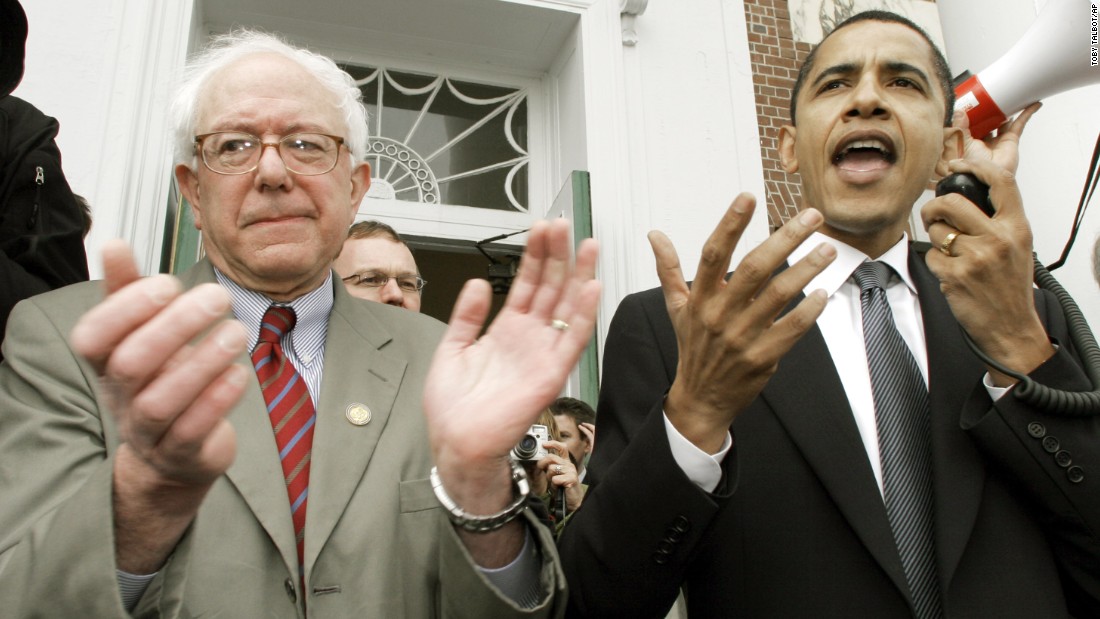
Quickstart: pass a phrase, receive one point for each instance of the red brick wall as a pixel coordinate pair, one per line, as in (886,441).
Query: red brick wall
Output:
(775,60)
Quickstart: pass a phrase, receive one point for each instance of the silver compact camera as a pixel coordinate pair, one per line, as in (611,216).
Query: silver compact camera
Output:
(532,447)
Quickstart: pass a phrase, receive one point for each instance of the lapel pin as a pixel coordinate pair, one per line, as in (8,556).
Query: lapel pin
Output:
(358,414)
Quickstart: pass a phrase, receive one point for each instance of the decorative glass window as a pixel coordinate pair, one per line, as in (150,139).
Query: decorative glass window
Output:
(438,140)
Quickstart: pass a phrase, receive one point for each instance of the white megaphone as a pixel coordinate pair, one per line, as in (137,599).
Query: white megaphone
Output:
(1058,53)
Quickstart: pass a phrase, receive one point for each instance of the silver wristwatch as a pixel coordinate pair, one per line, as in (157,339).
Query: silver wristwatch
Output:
(491,522)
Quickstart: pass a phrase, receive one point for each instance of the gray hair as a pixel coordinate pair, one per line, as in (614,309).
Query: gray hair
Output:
(223,50)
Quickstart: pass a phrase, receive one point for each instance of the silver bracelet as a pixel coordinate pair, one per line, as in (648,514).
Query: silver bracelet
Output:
(492,522)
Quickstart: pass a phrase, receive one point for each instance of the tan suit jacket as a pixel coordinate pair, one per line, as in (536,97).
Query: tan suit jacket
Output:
(376,542)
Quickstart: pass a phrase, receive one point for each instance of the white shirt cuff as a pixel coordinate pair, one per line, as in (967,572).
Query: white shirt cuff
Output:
(995,392)
(519,580)
(703,469)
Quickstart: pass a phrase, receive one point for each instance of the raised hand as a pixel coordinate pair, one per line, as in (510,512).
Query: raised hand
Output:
(169,398)
(589,432)
(730,334)
(985,264)
(482,394)
(985,269)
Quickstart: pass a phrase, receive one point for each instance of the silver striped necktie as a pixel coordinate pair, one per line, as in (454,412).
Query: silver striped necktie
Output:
(902,415)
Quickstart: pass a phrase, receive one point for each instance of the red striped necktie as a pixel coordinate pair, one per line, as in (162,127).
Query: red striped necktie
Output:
(290,410)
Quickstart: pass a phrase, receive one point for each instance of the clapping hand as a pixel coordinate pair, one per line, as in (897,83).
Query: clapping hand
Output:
(169,397)
(482,394)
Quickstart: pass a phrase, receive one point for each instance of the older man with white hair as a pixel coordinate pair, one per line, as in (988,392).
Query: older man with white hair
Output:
(166,459)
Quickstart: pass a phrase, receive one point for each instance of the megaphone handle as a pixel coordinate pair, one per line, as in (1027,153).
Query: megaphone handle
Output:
(969,187)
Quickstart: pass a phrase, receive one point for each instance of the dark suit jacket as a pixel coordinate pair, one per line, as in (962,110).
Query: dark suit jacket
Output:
(797,528)
(377,543)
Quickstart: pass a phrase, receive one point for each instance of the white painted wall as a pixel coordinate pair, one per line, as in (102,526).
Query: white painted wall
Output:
(1058,143)
(694,140)
(672,133)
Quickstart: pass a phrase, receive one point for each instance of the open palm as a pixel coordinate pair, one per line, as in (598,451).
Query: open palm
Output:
(482,394)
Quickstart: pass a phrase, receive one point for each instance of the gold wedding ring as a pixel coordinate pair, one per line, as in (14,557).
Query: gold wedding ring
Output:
(945,246)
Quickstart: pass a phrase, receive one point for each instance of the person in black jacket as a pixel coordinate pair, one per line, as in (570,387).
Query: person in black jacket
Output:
(41,222)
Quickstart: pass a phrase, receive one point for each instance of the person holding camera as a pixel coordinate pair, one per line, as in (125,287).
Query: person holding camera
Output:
(553,477)
(563,479)
(576,423)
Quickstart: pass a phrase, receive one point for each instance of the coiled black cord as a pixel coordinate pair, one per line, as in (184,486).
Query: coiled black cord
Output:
(1056,401)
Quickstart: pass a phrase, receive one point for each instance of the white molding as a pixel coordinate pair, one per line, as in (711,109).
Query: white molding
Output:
(560,5)
(606,112)
(628,33)
(655,123)
(135,175)
(629,10)
(443,221)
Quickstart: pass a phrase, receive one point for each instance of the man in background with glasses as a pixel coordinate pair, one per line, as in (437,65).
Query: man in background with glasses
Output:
(378,266)
(311,452)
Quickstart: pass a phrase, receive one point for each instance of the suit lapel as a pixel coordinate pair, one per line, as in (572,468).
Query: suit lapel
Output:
(957,468)
(256,469)
(829,440)
(356,372)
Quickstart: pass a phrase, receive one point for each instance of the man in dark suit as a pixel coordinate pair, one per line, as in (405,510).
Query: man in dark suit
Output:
(739,457)
(250,440)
